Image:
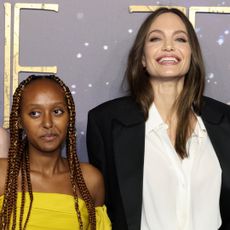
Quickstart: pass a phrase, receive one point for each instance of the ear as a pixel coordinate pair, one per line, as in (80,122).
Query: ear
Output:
(143,61)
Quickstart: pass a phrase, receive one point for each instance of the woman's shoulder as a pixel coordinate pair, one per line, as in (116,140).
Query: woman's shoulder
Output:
(211,102)
(2,130)
(94,182)
(124,109)
(3,173)
(214,109)
(4,142)
(90,171)
(3,165)
(111,104)
(4,134)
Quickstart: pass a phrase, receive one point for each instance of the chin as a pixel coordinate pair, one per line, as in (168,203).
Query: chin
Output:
(50,149)
(168,77)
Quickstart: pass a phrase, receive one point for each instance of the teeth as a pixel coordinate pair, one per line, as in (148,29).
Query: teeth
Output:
(168,59)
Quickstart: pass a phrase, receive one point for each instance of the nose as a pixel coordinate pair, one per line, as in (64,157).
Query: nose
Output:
(168,46)
(47,121)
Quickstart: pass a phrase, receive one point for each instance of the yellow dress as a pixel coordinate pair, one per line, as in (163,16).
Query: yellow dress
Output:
(55,211)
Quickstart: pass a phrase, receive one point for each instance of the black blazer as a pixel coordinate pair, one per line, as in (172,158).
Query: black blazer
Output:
(115,142)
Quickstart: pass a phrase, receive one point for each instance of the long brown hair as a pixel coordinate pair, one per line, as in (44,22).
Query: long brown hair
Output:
(191,95)
(18,162)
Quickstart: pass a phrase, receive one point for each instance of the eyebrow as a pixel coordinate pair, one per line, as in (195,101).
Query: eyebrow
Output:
(54,104)
(160,31)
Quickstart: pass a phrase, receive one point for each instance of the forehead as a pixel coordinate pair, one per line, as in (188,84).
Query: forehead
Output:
(169,21)
(42,89)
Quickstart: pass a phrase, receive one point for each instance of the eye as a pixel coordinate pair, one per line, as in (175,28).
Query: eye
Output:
(34,114)
(154,39)
(181,39)
(58,111)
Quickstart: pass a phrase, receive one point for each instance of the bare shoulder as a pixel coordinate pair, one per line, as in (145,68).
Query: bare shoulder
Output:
(4,134)
(94,182)
(90,170)
(3,173)
(4,142)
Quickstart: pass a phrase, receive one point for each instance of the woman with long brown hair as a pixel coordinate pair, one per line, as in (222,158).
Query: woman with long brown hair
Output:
(40,189)
(164,149)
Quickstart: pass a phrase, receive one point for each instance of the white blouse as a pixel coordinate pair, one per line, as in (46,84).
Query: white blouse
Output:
(179,194)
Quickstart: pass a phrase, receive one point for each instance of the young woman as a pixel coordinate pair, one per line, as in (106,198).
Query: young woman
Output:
(164,150)
(39,189)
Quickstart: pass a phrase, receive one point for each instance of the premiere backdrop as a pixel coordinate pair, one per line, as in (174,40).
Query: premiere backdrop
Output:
(89,41)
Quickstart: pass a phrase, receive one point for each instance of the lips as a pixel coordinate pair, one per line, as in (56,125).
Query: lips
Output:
(49,137)
(168,60)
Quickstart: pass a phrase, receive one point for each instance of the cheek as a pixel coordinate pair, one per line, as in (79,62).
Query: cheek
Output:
(187,52)
(63,124)
(30,132)
(150,54)
(188,58)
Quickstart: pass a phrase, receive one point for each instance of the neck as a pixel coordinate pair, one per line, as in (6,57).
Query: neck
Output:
(166,93)
(47,164)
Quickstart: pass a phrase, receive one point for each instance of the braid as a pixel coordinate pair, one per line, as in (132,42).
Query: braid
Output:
(25,175)
(22,187)
(76,176)
(18,162)
(27,170)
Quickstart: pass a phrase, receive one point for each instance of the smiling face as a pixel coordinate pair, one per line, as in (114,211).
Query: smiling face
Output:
(44,116)
(167,52)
